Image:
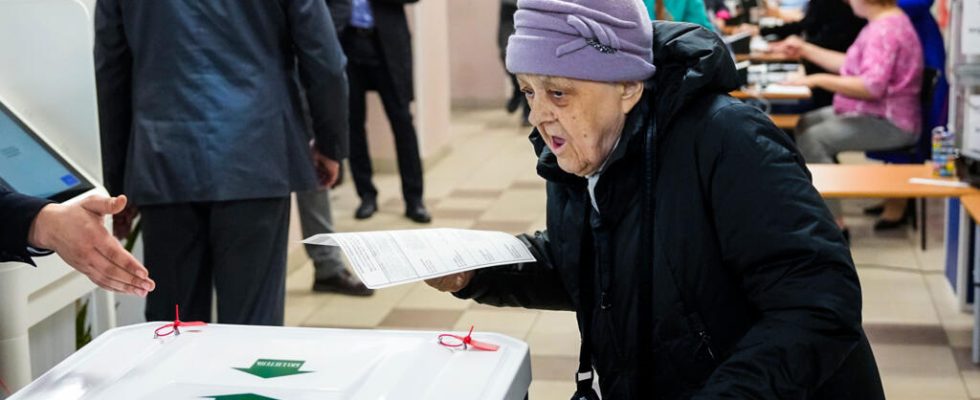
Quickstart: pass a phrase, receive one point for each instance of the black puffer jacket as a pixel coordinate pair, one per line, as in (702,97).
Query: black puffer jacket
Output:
(754,293)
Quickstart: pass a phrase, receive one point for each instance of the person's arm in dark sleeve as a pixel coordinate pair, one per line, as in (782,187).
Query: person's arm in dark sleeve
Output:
(340,11)
(17,213)
(529,285)
(113,78)
(790,258)
(782,31)
(322,66)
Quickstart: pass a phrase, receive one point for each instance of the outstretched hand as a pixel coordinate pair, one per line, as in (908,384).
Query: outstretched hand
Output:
(76,232)
(792,46)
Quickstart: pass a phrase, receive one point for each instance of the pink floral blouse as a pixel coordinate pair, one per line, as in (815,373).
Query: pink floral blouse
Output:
(888,58)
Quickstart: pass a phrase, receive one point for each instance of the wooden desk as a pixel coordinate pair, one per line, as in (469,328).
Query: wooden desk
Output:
(883,181)
(785,121)
(971,204)
(766,58)
(880,181)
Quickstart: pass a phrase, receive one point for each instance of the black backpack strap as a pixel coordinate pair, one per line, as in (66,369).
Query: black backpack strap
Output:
(584,375)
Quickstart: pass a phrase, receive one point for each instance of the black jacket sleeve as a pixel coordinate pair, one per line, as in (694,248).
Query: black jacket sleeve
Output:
(114,76)
(790,259)
(783,31)
(17,213)
(528,285)
(322,71)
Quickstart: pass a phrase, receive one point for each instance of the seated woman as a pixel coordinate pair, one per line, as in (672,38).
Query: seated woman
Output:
(683,228)
(934,54)
(876,91)
(829,24)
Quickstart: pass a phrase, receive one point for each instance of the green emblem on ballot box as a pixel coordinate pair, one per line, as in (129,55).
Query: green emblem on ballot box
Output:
(266,369)
(244,396)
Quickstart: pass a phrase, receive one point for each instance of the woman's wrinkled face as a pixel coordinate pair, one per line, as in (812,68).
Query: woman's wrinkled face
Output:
(580,120)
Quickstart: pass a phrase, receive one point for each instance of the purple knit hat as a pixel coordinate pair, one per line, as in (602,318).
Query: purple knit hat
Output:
(595,40)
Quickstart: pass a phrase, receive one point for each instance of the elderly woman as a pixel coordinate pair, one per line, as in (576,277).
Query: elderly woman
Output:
(683,228)
(876,86)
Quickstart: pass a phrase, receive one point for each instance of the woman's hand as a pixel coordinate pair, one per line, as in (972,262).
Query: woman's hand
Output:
(452,283)
(806,80)
(792,46)
(811,81)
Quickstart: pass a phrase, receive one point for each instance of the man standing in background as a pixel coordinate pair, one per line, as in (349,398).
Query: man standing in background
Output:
(202,127)
(315,216)
(379,46)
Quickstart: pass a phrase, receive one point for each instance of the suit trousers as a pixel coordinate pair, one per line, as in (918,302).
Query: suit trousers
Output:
(315,218)
(365,75)
(238,248)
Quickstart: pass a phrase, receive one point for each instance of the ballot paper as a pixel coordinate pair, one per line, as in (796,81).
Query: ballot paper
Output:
(388,258)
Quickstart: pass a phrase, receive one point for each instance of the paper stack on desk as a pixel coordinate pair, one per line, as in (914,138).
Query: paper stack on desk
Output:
(789,90)
(389,258)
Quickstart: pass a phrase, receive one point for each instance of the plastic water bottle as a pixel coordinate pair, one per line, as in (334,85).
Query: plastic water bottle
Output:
(944,152)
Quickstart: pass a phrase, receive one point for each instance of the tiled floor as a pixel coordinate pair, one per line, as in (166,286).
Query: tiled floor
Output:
(919,336)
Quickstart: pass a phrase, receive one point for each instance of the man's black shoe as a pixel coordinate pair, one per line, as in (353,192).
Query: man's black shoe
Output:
(418,213)
(342,283)
(366,209)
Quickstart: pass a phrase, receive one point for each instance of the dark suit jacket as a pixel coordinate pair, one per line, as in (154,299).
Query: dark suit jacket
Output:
(391,25)
(17,213)
(200,100)
(340,12)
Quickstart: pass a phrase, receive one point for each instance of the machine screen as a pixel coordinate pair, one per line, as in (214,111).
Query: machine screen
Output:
(29,166)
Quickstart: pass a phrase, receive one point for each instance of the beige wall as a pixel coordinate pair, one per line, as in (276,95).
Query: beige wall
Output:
(477,76)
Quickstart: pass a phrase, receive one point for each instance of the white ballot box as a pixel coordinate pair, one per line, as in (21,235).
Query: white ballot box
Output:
(256,362)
